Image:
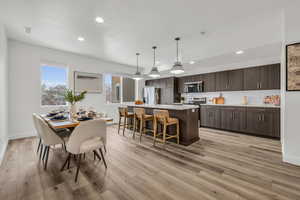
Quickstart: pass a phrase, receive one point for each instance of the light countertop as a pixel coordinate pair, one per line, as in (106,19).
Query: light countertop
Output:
(163,106)
(248,105)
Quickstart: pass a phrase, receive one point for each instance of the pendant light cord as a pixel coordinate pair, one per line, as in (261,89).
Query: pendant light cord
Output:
(154,55)
(137,62)
(177,39)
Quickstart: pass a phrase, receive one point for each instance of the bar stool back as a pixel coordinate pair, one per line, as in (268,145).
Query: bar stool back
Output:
(141,116)
(162,117)
(123,113)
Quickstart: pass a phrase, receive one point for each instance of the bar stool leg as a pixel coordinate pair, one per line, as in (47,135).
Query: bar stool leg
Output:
(125,119)
(119,125)
(177,132)
(164,133)
(141,128)
(134,126)
(154,131)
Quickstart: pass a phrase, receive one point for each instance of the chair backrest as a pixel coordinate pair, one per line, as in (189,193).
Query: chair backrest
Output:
(48,136)
(35,123)
(85,131)
(123,111)
(161,115)
(139,112)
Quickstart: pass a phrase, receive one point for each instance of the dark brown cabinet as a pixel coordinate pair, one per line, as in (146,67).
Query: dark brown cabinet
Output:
(209,82)
(251,120)
(233,118)
(262,78)
(169,91)
(210,117)
(263,121)
(230,80)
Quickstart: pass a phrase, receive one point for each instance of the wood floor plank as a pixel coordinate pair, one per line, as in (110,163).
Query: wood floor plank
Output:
(220,166)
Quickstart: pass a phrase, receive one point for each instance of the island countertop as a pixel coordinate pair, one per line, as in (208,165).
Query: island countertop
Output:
(163,106)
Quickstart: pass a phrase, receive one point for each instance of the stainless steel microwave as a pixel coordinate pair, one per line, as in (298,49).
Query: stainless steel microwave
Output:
(193,87)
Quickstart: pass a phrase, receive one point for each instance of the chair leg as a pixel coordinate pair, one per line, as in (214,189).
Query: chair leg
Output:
(154,131)
(44,154)
(124,127)
(104,147)
(41,151)
(103,158)
(119,125)
(97,155)
(66,162)
(78,167)
(47,156)
(40,142)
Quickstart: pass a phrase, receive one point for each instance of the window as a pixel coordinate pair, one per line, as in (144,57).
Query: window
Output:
(53,85)
(117,87)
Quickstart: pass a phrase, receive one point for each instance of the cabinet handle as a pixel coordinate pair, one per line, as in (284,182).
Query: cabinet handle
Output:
(263,117)
(258,117)
(260,85)
(257,85)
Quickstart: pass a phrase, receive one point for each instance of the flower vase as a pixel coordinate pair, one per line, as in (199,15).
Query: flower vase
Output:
(73,110)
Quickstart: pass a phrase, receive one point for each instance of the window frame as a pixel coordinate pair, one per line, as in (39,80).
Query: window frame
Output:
(56,65)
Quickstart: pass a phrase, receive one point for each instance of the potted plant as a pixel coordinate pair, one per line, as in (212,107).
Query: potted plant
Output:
(72,98)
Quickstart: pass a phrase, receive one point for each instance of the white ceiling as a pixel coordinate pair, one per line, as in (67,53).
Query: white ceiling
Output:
(136,25)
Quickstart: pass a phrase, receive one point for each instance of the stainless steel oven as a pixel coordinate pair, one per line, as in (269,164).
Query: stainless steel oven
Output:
(193,87)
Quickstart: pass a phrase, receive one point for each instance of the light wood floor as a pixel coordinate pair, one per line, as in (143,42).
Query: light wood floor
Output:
(221,165)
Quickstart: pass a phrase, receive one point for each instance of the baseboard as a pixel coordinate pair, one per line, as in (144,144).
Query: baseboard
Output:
(295,160)
(2,151)
(21,135)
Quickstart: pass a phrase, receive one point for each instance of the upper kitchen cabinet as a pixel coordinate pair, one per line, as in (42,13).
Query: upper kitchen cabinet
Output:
(262,78)
(209,82)
(232,80)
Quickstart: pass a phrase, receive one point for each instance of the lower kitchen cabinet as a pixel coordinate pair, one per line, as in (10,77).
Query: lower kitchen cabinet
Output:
(251,120)
(210,116)
(263,121)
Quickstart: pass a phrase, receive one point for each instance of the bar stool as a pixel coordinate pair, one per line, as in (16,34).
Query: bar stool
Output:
(141,117)
(162,117)
(123,113)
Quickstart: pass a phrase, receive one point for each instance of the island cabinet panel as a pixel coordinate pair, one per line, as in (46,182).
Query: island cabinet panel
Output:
(252,120)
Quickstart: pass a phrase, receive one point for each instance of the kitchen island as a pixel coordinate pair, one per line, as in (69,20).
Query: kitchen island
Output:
(188,116)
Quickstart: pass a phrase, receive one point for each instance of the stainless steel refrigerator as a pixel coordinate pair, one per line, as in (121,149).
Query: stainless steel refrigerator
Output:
(151,95)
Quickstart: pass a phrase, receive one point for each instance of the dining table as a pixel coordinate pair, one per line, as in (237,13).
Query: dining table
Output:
(69,122)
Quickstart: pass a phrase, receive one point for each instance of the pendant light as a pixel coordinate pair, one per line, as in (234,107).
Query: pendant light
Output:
(154,73)
(137,76)
(177,67)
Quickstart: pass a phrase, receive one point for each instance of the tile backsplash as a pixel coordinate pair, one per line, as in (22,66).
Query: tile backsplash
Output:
(235,97)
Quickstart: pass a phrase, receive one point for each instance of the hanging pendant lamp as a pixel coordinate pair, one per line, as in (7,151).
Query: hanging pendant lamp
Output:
(177,67)
(154,73)
(137,76)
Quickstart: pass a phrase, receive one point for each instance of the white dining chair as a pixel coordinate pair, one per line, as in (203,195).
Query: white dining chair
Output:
(49,138)
(88,136)
(40,145)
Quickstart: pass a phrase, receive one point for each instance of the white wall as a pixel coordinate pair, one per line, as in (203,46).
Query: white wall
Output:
(3,91)
(291,100)
(24,82)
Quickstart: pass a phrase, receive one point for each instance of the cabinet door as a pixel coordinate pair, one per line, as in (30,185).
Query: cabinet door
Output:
(222,81)
(203,116)
(236,80)
(264,77)
(226,118)
(274,76)
(252,78)
(260,121)
(209,82)
(181,84)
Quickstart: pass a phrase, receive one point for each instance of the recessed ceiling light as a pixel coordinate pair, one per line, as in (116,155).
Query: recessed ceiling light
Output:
(99,20)
(192,62)
(81,39)
(27,29)
(239,52)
